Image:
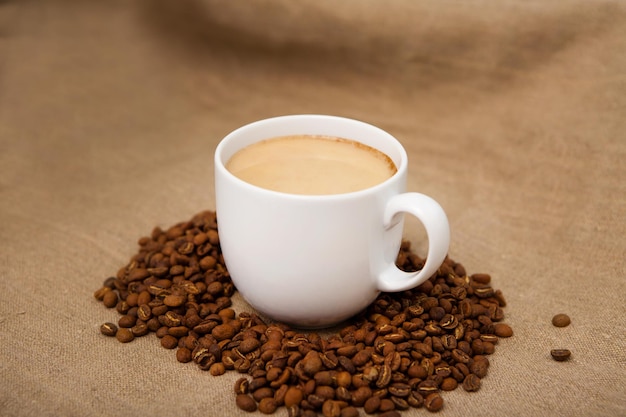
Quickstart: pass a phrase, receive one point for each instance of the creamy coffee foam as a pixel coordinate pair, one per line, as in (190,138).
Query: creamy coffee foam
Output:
(311,164)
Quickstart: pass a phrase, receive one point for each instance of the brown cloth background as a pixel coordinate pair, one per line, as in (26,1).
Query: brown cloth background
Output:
(513,114)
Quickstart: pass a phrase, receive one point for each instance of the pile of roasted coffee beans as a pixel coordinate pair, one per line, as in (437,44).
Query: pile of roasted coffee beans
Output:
(400,353)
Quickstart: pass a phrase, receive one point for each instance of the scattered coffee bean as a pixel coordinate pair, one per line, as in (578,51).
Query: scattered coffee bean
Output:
(246,402)
(108,329)
(124,335)
(502,330)
(140,329)
(268,405)
(433,402)
(561,320)
(110,299)
(293,396)
(471,383)
(127,321)
(560,354)
(448,384)
(109,283)
(372,405)
(401,352)
(183,355)
(349,411)
(169,342)
(217,369)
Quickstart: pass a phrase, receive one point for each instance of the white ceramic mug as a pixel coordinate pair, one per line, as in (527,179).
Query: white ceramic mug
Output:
(315,260)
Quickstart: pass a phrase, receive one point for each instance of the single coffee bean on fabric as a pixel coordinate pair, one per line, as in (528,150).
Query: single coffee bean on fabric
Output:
(561,320)
(110,299)
(560,354)
(433,402)
(125,335)
(108,329)
(471,383)
(246,402)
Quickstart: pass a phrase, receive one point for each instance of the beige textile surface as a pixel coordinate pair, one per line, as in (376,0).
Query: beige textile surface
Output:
(513,114)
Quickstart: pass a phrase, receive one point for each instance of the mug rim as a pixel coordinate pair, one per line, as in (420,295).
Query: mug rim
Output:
(220,162)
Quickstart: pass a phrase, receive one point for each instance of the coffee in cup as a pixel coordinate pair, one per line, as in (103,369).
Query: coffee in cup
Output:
(311,165)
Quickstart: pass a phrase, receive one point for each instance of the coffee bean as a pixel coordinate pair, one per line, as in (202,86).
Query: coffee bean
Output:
(169,342)
(279,394)
(140,329)
(479,366)
(312,364)
(293,396)
(471,383)
(282,379)
(213,236)
(158,309)
(372,405)
(217,369)
(124,335)
(415,399)
(162,331)
(481,278)
(384,376)
(427,387)
(313,401)
(131,299)
(460,356)
(295,411)
(361,357)
(127,321)
(110,299)
(331,408)
(349,411)
(561,320)
(400,403)
(248,345)
(108,329)
(360,395)
(246,403)
(560,354)
(433,402)
(178,331)
(343,379)
(257,383)
(174,300)
(268,405)
(110,282)
(448,384)
(263,392)
(101,292)
(392,413)
(183,355)
(170,319)
(503,330)
(137,274)
(144,312)
(241,385)
(223,332)
(386,405)
(326,392)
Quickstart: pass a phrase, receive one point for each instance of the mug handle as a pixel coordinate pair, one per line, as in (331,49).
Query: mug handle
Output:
(435,221)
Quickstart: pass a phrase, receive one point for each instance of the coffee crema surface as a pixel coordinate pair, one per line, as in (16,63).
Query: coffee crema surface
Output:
(311,165)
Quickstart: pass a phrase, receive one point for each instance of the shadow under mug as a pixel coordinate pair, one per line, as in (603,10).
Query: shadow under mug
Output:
(313,261)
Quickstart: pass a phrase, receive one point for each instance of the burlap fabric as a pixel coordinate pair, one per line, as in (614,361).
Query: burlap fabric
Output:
(513,114)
